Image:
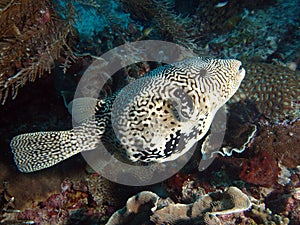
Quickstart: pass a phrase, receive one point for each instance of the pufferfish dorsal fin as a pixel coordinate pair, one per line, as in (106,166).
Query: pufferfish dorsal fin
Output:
(84,108)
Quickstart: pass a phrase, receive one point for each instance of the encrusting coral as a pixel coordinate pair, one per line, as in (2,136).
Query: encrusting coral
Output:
(138,208)
(280,141)
(32,36)
(262,170)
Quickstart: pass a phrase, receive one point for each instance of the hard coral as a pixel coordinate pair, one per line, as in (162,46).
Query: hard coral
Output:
(269,33)
(32,36)
(147,208)
(137,210)
(274,90)
(184,188)
(284,204)
(262,215)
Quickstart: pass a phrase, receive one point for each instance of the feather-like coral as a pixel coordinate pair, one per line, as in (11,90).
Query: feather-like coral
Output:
(32,37)
(160,14)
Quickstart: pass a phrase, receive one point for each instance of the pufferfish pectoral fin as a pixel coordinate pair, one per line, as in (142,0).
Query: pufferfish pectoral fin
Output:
(36,151)
(84,108)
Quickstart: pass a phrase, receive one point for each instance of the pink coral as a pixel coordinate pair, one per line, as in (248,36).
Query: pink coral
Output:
(261,170)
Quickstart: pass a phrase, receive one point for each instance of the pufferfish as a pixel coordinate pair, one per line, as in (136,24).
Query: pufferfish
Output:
(156,118)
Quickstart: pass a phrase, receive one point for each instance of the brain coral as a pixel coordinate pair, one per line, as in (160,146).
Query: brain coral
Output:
(274,90)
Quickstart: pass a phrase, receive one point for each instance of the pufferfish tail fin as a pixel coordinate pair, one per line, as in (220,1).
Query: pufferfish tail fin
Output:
(39,150)
(36,151)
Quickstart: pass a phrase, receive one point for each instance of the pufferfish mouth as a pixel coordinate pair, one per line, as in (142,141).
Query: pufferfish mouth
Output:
(241,71)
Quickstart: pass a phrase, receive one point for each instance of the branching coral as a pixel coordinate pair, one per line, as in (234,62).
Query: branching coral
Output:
(265,216)
(32,36)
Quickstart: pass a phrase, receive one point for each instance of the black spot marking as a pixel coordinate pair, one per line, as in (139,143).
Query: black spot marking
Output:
(136,155)
(172,144)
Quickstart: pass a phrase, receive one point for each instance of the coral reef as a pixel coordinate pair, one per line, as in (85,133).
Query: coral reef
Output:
(184,188)
(138,209)
(280,141)
(274,90)
(264,35)
(100,16)
(38,106)
(276,144)
(273,148)
(104,25)
(261,169)
(260,34)
(285,204)
(32,36)
(74,204)
(147,206)
(223,18)
(263,215)
(6,201)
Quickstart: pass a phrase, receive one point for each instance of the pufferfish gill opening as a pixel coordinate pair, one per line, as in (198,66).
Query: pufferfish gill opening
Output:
(158,117)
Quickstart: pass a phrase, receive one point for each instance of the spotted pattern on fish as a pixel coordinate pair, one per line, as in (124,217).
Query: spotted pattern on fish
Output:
(158,117)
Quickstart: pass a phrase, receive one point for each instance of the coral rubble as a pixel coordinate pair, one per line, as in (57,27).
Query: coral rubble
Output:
(75,204)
